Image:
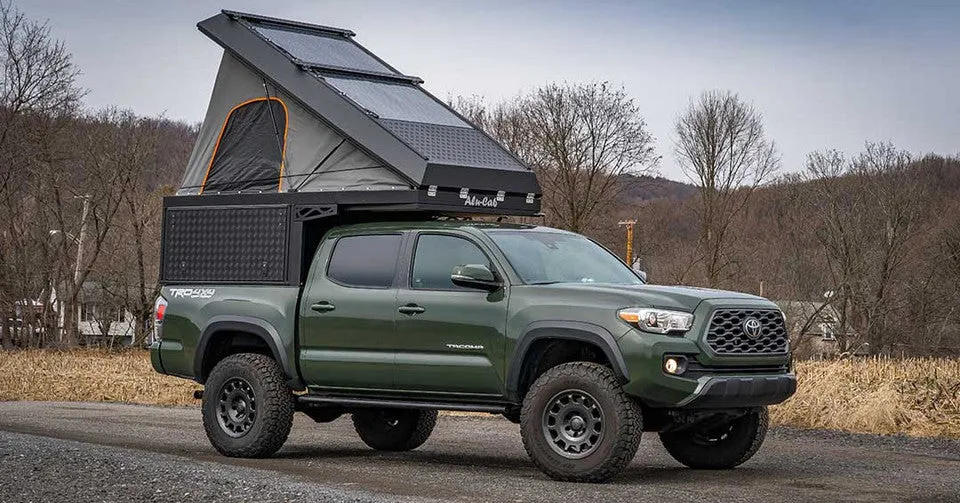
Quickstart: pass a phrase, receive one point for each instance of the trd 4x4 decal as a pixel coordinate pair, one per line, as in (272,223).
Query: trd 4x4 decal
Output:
(192,293)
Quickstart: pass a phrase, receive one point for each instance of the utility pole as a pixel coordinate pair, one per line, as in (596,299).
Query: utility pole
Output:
(83,234)
(629,225)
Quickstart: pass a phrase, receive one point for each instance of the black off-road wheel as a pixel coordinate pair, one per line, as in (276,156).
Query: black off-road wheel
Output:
(394,429)
(578,425)
(247,407)
(720,447)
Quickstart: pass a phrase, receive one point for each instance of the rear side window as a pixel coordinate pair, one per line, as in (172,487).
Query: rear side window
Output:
(365,261)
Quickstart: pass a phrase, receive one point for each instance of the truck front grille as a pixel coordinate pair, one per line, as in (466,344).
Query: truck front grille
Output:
(727,334)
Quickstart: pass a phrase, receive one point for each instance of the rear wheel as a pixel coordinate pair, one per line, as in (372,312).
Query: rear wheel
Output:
(394,429)
(247,407)
(578,425)
(719,447)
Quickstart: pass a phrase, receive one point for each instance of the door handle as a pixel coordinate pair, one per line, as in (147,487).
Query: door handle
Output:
(323,307)
(411,309)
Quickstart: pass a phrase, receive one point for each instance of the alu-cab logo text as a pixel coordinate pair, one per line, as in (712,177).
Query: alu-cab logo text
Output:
(486,202)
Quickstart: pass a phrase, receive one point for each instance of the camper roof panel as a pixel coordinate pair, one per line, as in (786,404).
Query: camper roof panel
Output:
(453,145)
(391,100)
(322,49)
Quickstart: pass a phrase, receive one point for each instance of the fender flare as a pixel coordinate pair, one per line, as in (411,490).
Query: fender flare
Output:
(254,326)
(568,330)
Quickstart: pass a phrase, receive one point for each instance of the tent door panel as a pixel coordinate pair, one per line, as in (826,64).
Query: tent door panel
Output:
(249,153)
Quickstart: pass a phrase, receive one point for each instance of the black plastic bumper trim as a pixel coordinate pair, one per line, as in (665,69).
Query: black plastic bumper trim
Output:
(727,392)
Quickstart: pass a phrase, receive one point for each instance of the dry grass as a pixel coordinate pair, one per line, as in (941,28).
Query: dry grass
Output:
(89,375)
(918,397)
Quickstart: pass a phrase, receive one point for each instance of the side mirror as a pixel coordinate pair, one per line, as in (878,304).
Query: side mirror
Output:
(476,276)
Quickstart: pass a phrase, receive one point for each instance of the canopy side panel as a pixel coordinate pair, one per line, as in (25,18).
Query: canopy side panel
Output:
(235,84)
(314,156)
(318,158)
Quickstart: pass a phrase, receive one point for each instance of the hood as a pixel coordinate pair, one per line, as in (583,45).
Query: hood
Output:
(682,298)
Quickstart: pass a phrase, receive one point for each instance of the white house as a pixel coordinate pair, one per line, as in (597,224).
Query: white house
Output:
(101,318)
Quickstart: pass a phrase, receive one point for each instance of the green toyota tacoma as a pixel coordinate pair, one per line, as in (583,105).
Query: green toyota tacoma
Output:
(397,320)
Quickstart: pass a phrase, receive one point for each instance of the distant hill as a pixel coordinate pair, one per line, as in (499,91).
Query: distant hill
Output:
(649,188)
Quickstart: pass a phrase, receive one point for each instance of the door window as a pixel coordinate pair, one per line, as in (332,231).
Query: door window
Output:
(365,261)
(435,258)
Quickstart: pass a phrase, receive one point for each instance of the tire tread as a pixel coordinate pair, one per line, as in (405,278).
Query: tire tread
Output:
(627,439)
(276,423)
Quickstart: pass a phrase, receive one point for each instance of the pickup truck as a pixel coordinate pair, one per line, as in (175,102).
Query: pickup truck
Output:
(397,320)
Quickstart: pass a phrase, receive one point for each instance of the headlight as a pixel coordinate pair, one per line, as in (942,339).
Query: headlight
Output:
(658,321)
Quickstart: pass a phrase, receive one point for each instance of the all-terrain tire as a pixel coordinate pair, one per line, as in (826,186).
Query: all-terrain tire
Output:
(568,389)
(394,429)
(719,449)
(247,406)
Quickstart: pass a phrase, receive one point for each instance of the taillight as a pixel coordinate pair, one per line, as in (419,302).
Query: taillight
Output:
(159,309)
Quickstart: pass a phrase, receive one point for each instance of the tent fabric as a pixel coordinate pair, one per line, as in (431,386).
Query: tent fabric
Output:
(307,160)
(249,152)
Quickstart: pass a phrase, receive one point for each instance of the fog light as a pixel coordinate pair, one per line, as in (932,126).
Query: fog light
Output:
(675,365)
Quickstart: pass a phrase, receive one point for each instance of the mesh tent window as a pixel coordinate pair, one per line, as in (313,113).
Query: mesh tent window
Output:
(249,151)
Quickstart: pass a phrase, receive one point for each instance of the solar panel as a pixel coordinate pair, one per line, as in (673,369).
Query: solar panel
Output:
(390,100)
(318,48)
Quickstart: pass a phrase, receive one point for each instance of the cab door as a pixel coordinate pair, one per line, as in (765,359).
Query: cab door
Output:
(348,314)
(450,339)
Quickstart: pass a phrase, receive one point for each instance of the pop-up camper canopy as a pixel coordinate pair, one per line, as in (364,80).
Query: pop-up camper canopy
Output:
(301,108)
(306,129)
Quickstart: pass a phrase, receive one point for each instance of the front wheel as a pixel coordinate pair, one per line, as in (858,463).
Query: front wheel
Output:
(247,407)
(719,447)
(578,425)
(394,429)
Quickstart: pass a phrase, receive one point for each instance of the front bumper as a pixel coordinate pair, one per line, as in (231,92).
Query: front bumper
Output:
(743,391)
(717,382)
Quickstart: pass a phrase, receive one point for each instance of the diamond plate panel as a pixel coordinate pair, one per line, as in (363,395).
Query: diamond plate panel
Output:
(726,335)
(453,145)
(228,245)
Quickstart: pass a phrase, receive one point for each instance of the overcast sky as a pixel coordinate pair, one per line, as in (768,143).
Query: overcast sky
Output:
(824,74)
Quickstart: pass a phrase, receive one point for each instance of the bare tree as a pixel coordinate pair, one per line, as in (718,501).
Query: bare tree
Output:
(723,149)
(870,213)
(109,165)
(131,275)
(586,138)
(582,140)
(38,95)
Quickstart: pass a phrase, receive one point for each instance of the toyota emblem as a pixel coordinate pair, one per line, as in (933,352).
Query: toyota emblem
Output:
(751,328)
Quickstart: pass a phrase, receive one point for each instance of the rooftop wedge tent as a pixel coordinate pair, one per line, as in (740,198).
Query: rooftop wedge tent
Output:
(306,129)
(304,108)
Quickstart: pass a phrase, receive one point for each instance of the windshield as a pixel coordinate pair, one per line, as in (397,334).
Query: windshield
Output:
(553,257)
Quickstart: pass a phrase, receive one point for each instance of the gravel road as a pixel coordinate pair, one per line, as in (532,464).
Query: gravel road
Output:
(107,452)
